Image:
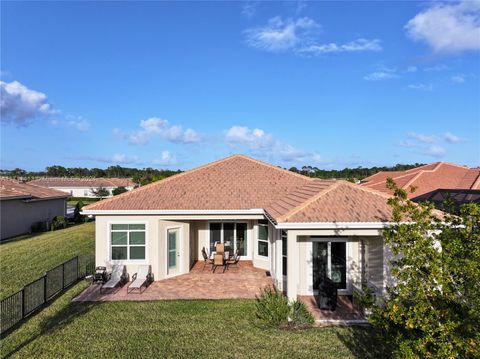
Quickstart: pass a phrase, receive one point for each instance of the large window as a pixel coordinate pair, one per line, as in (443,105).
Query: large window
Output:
(232,234)
(127,241)
(263,238)
(284,252)
(330,261)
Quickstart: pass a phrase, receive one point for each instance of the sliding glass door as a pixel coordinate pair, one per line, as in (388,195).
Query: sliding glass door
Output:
(330,261)
(232,234)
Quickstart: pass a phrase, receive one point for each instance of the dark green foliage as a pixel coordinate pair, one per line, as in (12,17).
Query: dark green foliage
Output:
(40,227)
(77,216)
(300,316)
(119,190)
(434,309)
(274,310)
(58,222)
(101,192)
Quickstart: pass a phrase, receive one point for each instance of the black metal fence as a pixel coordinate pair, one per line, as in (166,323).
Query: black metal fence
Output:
(36,294)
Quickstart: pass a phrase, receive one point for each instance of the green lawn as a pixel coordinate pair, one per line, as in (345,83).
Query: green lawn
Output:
(26,259)
(174,329)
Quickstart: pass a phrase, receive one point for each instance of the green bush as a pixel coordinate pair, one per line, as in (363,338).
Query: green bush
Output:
(300,316)
(58,222)
(273,310)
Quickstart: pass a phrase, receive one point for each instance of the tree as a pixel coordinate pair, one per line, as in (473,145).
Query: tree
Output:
(101,192)
(77,216)
(433,309)
(119,190)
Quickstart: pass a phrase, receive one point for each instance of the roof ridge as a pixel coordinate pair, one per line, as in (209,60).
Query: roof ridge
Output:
(308,201)
(414,178)
(195,169)
(476,183)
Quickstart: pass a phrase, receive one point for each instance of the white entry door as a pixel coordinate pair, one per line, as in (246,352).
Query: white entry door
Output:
(173,251)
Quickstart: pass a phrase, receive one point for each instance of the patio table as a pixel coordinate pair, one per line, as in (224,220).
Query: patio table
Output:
(226,255)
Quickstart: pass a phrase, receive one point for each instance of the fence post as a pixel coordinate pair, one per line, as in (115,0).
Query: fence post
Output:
(45,287)
(23,302)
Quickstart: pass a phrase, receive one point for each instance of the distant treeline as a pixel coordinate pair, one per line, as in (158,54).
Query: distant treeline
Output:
(147,175)
(140,176)
(350,174)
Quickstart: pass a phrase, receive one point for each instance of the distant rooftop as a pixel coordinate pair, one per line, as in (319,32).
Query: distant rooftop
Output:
(11,189)
(83,182)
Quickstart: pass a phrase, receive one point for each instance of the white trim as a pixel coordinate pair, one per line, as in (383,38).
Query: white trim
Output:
(175,212)
(128,261)
(178,269)
(334,225)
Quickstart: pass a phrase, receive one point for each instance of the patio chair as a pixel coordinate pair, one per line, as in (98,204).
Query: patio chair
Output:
(143,277)
(220,248)
(206,258)
(219,261)
(117,276)
(233,260)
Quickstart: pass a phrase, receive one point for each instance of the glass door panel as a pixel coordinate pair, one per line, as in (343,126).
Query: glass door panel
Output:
(330,261)
(229,237)
(215,235)
(338,271)
(241,240)
(172,249)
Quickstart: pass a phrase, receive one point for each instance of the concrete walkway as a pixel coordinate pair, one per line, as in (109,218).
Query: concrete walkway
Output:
(243,281)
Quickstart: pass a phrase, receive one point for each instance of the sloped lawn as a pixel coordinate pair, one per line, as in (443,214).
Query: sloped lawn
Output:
(174,329)
(26,259)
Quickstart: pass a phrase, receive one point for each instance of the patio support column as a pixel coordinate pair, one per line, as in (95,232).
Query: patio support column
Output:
(278,262)
(292,265)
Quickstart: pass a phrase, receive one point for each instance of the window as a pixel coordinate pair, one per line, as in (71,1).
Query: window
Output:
(232,234)
(263,238)
(127,241)
(284,252)
(330,261)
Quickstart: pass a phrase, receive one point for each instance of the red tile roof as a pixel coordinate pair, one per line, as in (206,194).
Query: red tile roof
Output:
(240,182)
(83,182)
(11,189)
(428,178)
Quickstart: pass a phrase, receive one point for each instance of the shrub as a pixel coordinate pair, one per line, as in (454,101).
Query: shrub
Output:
(300,316)
(39,227)
(77,217)
(119,190)
(58,222)
(272,308)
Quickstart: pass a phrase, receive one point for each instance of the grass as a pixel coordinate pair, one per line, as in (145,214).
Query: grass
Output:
(28,257)
(174,329)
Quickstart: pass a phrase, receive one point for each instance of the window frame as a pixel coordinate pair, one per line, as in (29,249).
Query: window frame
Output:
(284,237)
(267,241)
(128,260)
(246,254)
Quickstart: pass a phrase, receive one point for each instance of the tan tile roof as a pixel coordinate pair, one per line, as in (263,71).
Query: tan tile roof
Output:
(240,182)
(236,182)
(83,182)
(438,175)
(10,189)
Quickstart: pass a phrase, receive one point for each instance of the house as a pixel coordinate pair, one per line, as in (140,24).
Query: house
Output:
(84,187)
(433,182)
(297,228)
(23,205)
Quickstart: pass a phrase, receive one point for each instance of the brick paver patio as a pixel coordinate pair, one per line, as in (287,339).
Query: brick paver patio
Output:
(345,313)
(243,281)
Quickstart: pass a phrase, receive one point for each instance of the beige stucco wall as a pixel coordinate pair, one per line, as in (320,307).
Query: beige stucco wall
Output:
(156,244)
(17,216)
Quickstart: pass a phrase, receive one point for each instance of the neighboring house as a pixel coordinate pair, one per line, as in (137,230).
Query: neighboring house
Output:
(433,182)
(84,187)
(297,228)
(23,205)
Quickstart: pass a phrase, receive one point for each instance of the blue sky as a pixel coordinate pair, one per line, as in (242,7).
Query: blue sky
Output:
(176,85)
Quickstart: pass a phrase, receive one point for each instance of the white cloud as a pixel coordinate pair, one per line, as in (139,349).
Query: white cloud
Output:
(411,69)
(421,87)
(383,73)
(166,159)
(422,138)
(20,105)
(352,46)
(437,68)
(122,158)
(297,35)
(76,122)
(155,126)
(451,138)
(435,151)
(264,145)
(448,27)
(281,35)
(249,9)
(458,79)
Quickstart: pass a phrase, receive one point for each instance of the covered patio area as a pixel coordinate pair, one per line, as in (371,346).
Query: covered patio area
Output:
(238,282)
(346,312)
